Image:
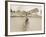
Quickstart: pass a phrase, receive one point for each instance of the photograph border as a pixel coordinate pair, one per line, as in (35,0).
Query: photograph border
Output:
(6,18)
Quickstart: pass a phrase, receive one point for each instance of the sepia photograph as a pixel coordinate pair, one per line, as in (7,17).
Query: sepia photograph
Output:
(25,18)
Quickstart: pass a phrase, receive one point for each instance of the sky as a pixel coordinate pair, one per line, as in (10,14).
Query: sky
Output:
(24,7)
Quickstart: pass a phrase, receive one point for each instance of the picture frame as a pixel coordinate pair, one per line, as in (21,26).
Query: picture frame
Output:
(12,6)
